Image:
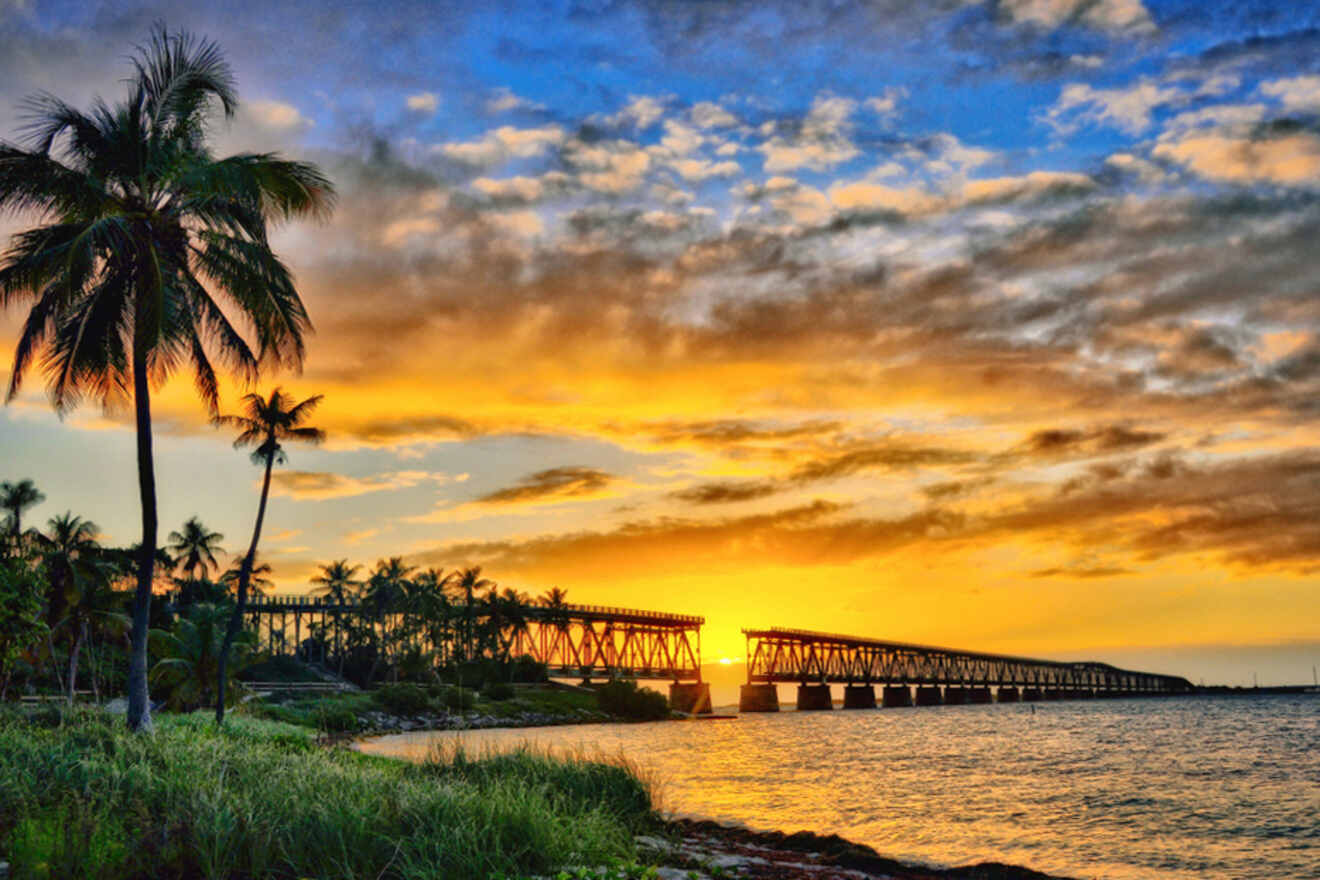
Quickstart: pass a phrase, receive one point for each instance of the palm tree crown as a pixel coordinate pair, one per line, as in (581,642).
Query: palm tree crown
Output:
(196,547)
(17,497)
(149,244)
(264,422)
(338,581)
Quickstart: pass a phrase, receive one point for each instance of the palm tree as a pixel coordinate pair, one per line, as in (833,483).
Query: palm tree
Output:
(259,584)
(72,568)
(195,548)
(337,581)
(430,605)
(148,247)
(15,498)
(263,424)
(468,582)
(191,650)
(385,591)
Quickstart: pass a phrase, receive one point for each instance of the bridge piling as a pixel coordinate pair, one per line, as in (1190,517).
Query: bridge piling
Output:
(955,696)
(814,697)
(929,695)
(979,695)
(897,695)
(1032,695)
(692,698)
(858,696)
(1008,695)
(758,698)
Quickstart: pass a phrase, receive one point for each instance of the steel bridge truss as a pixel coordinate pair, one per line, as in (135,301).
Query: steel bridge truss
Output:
(790,655)
(585,641)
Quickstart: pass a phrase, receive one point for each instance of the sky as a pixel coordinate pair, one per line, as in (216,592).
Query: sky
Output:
(991,325)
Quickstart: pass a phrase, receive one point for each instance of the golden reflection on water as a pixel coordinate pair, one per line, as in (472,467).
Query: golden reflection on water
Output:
(1186,788)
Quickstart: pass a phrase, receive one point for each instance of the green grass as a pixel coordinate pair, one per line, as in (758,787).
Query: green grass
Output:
(307,711)
(86,798)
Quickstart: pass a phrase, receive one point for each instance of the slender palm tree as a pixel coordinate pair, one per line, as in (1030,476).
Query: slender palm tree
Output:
(384,597)
(73,567)
(195,547)
(338,581)
(467,584)
(264,423)
(148,249)
(15,498)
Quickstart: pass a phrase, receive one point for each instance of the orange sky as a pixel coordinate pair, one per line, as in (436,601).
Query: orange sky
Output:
(857,355)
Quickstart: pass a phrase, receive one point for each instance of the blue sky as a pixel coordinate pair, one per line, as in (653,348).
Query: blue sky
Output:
(942,311)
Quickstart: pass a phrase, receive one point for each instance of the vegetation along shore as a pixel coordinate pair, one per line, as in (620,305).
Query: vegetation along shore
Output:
(83,797)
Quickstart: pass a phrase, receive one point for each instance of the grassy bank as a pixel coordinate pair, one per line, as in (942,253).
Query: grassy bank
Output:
(392,707)
(79,796)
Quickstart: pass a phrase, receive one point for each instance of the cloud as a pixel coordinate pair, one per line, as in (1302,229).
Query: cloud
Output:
(641,112)
(725,492)
(423,102)
(502,144)
(1122,16)
(277,116)
(886,104)
(324,485)
(708,114)
(504,101)
(611,167)
(1129,109)
(1297,94)
(1279,157)
(819,142)
(555,484)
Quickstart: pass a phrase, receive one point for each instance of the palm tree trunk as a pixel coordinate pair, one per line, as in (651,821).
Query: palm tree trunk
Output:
(244,574)
(139,701)
(73,660)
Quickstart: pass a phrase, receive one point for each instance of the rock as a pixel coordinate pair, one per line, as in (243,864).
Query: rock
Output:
(117,706)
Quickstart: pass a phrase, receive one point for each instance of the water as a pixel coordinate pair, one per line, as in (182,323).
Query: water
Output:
(1192,787)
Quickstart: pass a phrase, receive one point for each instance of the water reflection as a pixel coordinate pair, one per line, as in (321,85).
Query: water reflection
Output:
(1194,787)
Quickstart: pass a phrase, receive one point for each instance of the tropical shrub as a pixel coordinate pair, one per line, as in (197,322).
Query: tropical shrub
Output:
(624,699)
(403,699)
(499,691)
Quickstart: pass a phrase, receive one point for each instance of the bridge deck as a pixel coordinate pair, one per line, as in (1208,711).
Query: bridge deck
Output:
(782,654)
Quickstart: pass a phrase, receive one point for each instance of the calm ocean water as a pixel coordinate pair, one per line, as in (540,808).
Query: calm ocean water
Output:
(1205,787)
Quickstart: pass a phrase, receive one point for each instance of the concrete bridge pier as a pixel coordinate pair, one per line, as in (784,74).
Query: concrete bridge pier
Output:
(1053,694)
(897,695)
(1008,695)
(814,697)
(979,695)
(929,695)
(1031,695)
(758,698)
(859,696)
(955,696)
(692,698)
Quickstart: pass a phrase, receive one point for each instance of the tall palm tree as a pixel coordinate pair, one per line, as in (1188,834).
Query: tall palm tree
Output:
(148,249)
(385,592)
(338,581)
(467,584)
(195,547)
(73,567)
(15,498)
(263,424)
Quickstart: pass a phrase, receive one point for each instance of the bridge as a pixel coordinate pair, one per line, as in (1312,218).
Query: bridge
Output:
(573,641)
(920,674)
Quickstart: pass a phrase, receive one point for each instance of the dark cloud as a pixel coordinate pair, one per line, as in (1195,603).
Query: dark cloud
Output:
(560,482)
(726,491)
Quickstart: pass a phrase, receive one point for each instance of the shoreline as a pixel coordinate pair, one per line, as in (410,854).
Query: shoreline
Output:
(705,845)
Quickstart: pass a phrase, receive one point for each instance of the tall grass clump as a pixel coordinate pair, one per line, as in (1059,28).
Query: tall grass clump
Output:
(260,799)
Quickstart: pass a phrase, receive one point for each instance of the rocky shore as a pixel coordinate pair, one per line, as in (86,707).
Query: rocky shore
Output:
(374,723)
(704,850)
